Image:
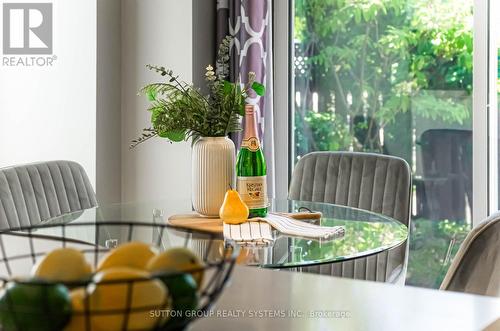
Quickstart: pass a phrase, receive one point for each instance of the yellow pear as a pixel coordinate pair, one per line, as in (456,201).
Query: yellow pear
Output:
(233,210)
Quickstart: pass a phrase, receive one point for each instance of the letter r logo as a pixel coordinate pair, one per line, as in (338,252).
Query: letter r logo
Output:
(27,28)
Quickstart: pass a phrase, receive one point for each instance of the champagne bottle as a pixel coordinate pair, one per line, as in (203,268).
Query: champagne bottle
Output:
(251,168)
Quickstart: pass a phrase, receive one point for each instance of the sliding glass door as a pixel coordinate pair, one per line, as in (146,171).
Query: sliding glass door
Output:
(394,77)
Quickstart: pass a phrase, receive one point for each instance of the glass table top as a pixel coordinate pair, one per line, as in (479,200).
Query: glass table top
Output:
(366,233)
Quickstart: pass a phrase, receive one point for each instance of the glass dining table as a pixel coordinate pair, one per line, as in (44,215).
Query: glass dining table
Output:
(366,233)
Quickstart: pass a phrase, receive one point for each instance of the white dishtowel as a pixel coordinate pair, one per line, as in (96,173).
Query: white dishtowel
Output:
(257,231)
(249,233)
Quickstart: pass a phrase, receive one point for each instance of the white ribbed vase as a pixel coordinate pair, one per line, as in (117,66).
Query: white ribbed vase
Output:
(213,173)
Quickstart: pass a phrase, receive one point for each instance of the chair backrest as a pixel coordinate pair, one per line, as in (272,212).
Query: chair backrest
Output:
(373,182)
(36,192)
(476,267)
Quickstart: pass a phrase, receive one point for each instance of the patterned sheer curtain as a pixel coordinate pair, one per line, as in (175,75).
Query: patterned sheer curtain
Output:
(250,23)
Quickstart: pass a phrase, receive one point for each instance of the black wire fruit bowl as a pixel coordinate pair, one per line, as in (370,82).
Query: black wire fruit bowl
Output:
(119,298)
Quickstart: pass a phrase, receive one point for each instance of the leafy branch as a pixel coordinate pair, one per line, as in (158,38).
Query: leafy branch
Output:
(179,111)
(147,134)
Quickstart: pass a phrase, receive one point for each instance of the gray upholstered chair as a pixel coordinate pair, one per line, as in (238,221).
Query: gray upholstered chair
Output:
(32,193)
(476,267)
(373,182)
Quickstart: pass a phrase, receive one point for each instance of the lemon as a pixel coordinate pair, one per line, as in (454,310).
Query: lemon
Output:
(37,307)
(133,255)
(63,265)
(178,259)
(148,298)
(78,318)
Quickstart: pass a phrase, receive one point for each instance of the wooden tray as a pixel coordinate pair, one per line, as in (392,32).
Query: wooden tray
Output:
(195,221)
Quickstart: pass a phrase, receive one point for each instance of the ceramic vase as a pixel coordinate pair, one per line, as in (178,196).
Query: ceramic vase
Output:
(213,171)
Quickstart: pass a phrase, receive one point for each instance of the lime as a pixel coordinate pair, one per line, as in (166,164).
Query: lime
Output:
(183,289)
(133,255)
(64,265)
(36,307)
(178,259)
(132,297)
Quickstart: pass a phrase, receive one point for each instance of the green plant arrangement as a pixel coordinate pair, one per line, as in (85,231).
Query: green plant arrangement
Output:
(180,111)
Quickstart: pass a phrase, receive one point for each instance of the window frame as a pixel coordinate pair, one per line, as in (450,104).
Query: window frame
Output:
(283,91)
(485,113)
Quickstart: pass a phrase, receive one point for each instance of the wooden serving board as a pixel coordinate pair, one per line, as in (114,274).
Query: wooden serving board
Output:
(195,221)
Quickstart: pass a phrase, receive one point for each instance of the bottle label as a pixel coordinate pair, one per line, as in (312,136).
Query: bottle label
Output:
(253,191)
(252,144)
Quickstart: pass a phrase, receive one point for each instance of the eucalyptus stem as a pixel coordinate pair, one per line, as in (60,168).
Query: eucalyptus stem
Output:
(180,111)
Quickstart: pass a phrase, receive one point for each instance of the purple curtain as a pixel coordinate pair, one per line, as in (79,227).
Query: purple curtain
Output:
(250,23)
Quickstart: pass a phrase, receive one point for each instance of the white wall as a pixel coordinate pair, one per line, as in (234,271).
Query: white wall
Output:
(155,32)
(108,121)
(50,112)
(203,39)
(86,107)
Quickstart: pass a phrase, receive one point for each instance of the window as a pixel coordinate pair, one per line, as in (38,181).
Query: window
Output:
(394,77)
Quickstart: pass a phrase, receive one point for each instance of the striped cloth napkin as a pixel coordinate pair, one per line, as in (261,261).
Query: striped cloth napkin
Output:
(249,233)
(257,231)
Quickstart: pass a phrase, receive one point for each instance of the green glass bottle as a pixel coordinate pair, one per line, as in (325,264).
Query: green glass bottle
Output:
(251,168)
